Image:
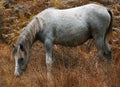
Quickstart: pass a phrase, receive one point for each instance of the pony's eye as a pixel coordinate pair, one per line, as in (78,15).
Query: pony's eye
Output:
(20,61)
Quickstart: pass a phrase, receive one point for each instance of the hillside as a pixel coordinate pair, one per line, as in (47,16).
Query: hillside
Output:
(73,67)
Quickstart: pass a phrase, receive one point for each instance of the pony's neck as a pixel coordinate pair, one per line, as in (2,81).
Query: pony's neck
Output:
(28,36)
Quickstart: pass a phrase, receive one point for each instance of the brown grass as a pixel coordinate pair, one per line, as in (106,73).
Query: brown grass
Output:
(72,67)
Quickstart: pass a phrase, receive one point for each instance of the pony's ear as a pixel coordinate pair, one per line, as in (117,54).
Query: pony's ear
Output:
(13,45)
(22,47)
(40,22)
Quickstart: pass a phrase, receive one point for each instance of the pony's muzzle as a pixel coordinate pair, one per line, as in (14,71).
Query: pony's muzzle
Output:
(17,71)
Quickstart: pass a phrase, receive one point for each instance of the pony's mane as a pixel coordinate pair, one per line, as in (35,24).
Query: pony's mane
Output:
(28,34)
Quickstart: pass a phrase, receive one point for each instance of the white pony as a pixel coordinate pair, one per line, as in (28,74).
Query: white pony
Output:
(68,27)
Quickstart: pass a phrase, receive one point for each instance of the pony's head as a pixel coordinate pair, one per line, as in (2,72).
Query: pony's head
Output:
(21,57)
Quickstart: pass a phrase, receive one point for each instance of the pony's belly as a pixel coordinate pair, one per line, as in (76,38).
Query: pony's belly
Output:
(72,41)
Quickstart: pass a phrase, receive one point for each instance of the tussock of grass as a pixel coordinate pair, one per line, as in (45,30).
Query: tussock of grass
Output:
(87,71)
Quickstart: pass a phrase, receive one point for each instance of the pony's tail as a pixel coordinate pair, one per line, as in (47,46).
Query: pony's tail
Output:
(109,30)
(111,21)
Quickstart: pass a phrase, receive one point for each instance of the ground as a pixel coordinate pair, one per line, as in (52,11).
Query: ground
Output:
(73,67)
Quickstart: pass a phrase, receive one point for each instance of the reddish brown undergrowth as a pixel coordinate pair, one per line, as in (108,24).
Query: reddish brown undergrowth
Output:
(72,67)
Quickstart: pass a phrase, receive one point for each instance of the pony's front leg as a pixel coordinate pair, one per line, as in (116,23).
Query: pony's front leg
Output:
(49,59)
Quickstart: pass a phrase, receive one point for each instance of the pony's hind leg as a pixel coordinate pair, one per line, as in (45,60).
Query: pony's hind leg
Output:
(107,51)
(102,47)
